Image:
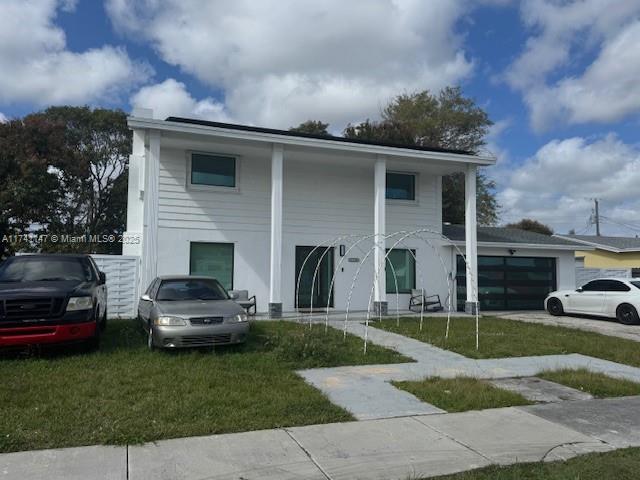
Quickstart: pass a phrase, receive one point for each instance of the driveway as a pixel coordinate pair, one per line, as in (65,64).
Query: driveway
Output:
(599,325)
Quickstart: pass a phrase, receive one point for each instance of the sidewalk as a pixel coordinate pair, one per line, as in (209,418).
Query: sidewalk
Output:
(395,448)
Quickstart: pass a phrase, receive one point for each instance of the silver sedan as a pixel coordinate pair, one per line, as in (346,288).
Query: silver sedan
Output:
(190,311)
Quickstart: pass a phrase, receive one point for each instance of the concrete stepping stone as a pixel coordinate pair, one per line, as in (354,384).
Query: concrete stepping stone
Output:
(538,390)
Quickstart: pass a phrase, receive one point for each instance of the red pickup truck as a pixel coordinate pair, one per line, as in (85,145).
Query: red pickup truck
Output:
(48,299)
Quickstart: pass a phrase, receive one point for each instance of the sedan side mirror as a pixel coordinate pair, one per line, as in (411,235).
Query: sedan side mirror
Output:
(102,277)
(146,298)
(579,289)
(233,295)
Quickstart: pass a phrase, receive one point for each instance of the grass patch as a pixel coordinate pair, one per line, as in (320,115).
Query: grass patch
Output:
(125,394)
(597,384)
(461,394)
(620,464)
(509,338)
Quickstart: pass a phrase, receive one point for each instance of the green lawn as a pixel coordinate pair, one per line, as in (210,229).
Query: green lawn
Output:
(461,394)
(597,384)
(125,394)
(618,465)
(510,338)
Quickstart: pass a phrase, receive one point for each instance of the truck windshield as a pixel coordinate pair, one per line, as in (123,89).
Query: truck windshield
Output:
(191,289)
(39,269)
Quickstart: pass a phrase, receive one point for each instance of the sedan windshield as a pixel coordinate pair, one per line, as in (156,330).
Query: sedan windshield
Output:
(191,289)
(635,283)
(38,269)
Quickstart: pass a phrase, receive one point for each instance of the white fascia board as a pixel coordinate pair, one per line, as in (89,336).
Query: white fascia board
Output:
(163,125)
(532,246)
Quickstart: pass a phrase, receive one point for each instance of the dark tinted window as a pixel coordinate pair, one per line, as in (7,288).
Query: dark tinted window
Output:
(615,286)
(401,186)
(191,289)
(34,269)
(635,283)
(595,286)
(215,170)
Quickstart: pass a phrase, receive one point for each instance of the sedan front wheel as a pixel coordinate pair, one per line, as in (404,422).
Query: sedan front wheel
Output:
(150,344)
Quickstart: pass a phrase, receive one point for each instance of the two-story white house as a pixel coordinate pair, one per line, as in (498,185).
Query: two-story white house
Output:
(248,205)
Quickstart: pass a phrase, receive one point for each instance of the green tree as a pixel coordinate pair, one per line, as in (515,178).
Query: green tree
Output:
(64,171)
(30,187)
(92,175)
(532,226)
(446,120)
(313,127)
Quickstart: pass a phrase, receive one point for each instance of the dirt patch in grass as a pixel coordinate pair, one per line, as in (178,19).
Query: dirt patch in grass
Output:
(124,393)
(461,394)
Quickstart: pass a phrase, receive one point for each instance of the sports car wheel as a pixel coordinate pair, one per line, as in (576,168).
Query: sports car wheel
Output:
(627,314)
(554,307)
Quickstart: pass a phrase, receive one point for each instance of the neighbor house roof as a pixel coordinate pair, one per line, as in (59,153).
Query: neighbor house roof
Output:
(611,244)
(506,237)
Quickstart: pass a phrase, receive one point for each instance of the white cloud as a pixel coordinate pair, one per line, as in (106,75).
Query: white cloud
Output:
(282,62)
(564,34)
(3,118)
(557,185)
(171,98)
(37,66)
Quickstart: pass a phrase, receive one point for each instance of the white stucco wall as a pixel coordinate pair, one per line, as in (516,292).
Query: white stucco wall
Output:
(321,201)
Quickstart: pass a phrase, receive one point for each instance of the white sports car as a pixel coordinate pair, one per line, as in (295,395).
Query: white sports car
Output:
(605,297)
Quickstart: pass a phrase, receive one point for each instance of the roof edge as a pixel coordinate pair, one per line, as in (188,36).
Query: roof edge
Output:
(283,136)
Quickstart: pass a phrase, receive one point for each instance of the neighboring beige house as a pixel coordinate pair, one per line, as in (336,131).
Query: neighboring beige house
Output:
(609,252)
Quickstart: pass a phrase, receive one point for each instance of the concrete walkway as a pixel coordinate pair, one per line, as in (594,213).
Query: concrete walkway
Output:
(366,393)
(389,449)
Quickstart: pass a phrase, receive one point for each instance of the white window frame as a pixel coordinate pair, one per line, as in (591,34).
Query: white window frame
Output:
(213,188)
(416,192)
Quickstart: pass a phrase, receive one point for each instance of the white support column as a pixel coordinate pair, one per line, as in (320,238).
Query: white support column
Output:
(135,190)
(275,289)
(471,236)
(150,235)
(379,229)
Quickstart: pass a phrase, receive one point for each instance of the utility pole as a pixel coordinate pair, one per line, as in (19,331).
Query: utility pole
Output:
(597,215)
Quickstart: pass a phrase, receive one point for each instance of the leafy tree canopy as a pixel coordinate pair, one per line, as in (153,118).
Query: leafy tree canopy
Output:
(313,127)
(446,120)
(532,226)
(67,167)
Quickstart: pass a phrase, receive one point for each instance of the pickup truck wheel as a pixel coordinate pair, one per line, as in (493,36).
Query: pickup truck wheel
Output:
(103,320)
(554,307)
(627,314)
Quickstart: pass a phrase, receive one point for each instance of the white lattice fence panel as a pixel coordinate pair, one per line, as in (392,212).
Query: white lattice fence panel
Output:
(122,283)
(584,275)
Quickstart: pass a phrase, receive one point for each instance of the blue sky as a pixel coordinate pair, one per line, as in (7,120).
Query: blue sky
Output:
(557,78)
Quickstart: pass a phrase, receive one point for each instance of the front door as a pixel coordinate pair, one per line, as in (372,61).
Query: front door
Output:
(321,291)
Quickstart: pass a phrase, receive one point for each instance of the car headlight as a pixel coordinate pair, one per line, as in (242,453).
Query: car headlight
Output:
(169,321)
(79,303)
(241,317)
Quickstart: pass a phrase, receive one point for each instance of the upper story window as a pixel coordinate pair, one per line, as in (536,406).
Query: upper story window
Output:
(213,170)
(401,186)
